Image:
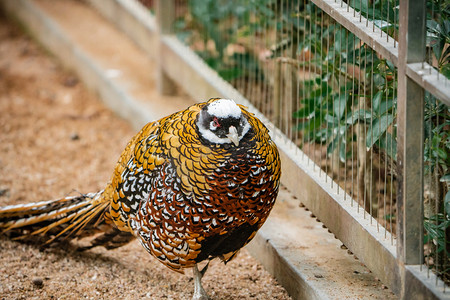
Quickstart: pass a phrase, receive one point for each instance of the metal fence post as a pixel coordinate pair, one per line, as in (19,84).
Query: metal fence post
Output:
(165,16)
(410,122)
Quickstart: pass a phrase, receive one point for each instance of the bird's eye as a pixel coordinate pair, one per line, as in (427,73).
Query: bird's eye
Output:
(215,122)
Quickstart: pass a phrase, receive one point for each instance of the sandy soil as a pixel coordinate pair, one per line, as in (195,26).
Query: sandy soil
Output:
(56,138)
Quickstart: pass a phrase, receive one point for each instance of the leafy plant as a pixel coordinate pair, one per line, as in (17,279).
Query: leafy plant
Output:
(436,226)
(437,137)
(438,34)
(328,108)
(219,25)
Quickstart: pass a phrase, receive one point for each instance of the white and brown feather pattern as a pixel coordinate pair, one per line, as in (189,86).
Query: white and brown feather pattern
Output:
(185,200)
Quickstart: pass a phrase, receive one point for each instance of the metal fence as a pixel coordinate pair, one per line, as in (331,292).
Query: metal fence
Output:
(358,96)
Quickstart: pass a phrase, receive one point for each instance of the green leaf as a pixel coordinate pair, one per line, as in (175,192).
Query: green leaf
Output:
(445,178)
(379,80)
(343,151)
(312,124)
(389,217)
(435,227)
(323,134)
(441,153)
(447,203)
(379,126)
(331,146)
(386,106)
(303,112)
(433,26)
(309,105)
(390,65)
(230,74)
(331,120)
(338,135)
(359,115)
(376,100)
(339,105)
(388,143)
(445,69)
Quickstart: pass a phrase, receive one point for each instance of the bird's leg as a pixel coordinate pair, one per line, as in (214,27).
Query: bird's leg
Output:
(205,268)
(199,292)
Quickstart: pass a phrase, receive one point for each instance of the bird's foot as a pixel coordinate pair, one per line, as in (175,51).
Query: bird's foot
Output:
(200,296)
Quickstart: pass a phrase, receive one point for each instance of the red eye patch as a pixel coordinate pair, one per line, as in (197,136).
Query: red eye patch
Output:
(216,122)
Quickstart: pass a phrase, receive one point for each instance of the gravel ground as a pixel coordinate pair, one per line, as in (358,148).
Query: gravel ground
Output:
(56,138)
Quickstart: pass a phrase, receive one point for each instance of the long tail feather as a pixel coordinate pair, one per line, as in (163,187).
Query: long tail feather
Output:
(67,217)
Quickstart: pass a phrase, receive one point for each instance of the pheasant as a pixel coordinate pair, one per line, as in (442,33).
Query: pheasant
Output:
(193,186)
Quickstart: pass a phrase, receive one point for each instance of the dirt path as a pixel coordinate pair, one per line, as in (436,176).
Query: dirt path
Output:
(57,138)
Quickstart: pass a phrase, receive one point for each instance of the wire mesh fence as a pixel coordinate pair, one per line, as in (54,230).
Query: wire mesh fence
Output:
(437,147)
(326,90)
(436,188)
(316,70)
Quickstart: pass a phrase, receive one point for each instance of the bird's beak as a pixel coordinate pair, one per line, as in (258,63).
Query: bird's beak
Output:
(233,136)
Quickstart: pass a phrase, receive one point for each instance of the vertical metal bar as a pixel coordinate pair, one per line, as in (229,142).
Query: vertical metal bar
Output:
(332,160)
(386,159)
(387,20)
(240,62)
(381,11)
(310,74)
(327,50)
(294,73)
(352,128)
(282,78)
(297,84)
(438,259)
(277,75)
(285,69)
(312,31)
(165,16)
(364,132)
(428,215)
(447,258)
(345,141)
(371,179)
(410,121)
(339,85)
(359,131)
(266,86)
(251,69)
(391,229)
(321,89)
(305,60)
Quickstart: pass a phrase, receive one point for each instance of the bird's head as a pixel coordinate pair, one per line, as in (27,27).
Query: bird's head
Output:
(222,122)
